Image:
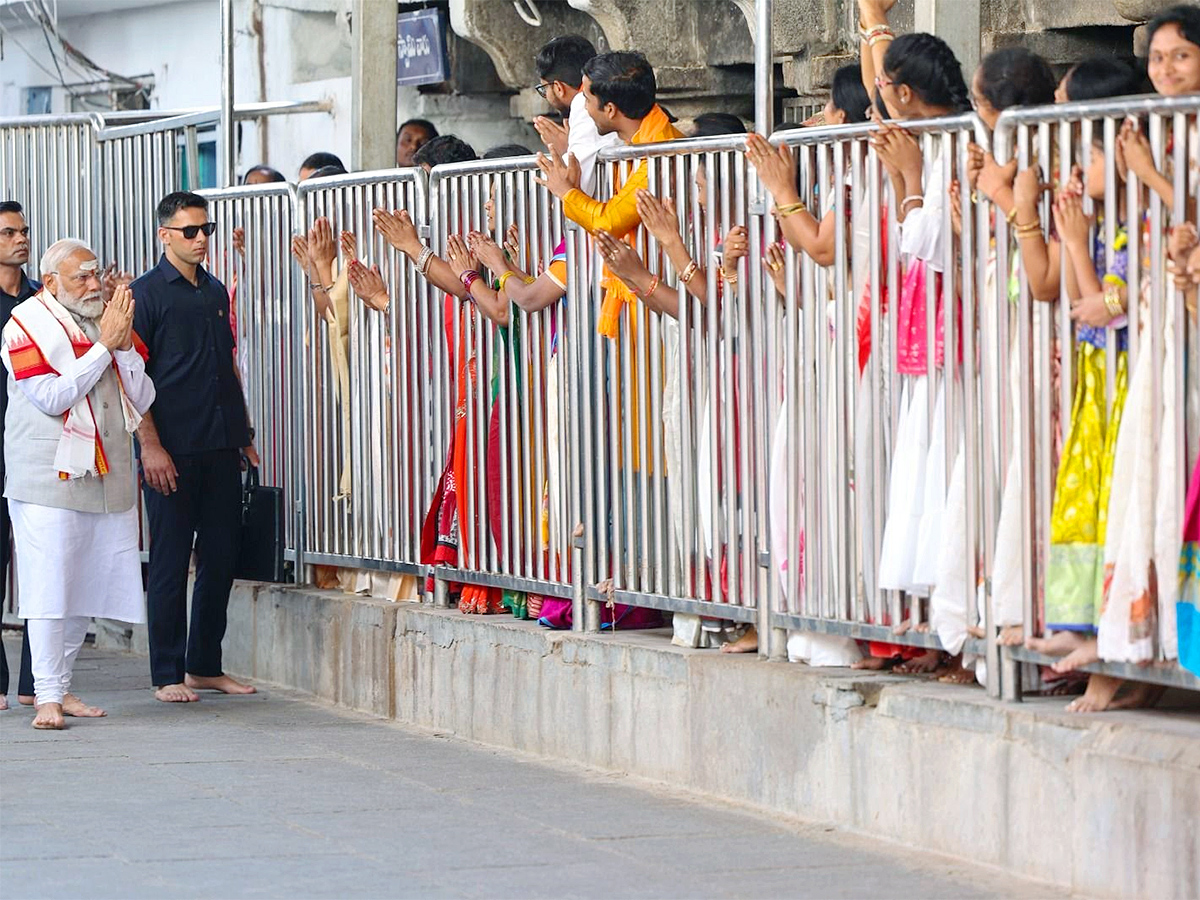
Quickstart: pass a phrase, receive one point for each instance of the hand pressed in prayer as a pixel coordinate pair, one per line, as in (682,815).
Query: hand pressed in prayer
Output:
(622,261)
(776,167)
(239,241)
(461,259)
(559,175)
(1073,225)
(659,217)
(512,243)
(321,249)
(116,322)
(300,251)
(348,241)
(397,229)
(553,135)
(368,285)
(488,252)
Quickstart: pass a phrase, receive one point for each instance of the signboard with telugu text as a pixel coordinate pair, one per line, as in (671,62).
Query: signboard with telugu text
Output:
(420,47)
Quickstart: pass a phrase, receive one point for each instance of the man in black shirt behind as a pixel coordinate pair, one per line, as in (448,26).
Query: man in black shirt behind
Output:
(190,443)
(15,287)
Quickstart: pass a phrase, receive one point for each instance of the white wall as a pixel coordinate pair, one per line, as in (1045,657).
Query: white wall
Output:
(179,43)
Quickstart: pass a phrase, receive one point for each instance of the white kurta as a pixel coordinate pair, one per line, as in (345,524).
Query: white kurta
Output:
(71,563)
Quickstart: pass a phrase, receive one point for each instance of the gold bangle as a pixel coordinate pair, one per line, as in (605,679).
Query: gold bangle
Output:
(1028,230)
(689,271)
(729,279)
(1012,215)
(790,209)
(879,39)
(1112,299)
(504,278)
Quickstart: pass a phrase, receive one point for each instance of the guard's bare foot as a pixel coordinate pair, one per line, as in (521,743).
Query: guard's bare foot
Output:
(222,683)
(49,717)
(1141,696)
(73,706)
(1084,655)
(3,703)
(747,643)
(1011,636)
(175,693)
(874,663)
(25,699)
(1058,644)
(920,665)
(1099,694)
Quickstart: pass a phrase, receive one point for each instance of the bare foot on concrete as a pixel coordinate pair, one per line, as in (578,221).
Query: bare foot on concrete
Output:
(1099,694)
(222,683)
(1141,696)
(3,703)
(73,706)
(956,674)
(175,693)
(874,663)
(25,699)
(920,665)
(1058,644)
(1011,636)
(1084,655)
(747,643)
(49,717)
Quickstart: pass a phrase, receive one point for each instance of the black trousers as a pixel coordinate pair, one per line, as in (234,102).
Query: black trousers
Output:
(25,682)
(205,512)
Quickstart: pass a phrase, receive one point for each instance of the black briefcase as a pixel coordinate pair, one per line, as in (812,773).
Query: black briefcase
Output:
(260,557)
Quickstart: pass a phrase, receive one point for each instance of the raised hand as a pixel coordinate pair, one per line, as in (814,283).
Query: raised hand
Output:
(321,249)
(659,217)
(734,248)
(560,176)
(993,178)
(1028,188)
(512,243)
(774,261)
(368,285)
(1133,149)
(776,167)
(488,252)
(112,279)
(397,229)
(239,241)
(460,258)
(300,252)
(623,261)
(553,135)
(349,244)
(1072,223)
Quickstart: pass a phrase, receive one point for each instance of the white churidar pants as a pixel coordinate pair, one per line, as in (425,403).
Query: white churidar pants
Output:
(53,646)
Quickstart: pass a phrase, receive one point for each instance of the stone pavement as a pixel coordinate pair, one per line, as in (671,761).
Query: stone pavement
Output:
(273,796)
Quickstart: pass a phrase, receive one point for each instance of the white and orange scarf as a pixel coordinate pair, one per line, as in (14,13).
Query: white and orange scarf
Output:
(43,339)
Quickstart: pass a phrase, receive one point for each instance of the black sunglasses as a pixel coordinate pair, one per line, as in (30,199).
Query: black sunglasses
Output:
(190,231)
(542,88)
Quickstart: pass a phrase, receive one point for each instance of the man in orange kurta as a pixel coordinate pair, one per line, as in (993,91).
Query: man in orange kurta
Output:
(620,91)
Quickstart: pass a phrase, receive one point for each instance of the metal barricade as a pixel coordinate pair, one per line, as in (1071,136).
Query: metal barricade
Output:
(1145,389)
(48,165)
(870,409)
(505,412)
(263,288)
(367,423)
(668,416)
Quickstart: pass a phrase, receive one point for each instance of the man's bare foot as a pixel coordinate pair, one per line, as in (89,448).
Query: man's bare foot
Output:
(3,703)
(73,706)
(1141,696)
(25,699)
(874,663)
(49,717)
(1011,636)
(222,683)
(175,693)
(956,674)
(1084,655)
(1058,644)
(920,665)
(1099,694)
(747,643)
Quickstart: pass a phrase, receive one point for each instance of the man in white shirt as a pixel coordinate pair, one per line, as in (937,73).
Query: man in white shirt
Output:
(560,69)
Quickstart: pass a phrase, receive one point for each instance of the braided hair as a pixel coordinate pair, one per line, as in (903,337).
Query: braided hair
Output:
(927,65)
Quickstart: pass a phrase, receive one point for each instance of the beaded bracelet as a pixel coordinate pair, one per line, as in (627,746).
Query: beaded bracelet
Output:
(689,271)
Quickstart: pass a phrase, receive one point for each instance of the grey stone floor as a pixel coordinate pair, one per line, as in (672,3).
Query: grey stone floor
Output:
(273,796)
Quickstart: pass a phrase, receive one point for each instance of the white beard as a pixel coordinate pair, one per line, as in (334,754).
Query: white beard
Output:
(87,309)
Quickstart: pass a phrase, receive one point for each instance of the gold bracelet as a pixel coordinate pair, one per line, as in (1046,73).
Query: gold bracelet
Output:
(1012,215)
(1029,230)
(790,209)
(730,279)
(1112,299)
(504,278)
(689,271)
(879,38)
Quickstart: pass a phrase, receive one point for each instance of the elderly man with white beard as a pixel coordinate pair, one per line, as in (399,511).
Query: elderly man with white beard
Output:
(77,389)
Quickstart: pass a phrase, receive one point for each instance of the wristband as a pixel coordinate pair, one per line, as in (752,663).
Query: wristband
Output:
(689,271)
